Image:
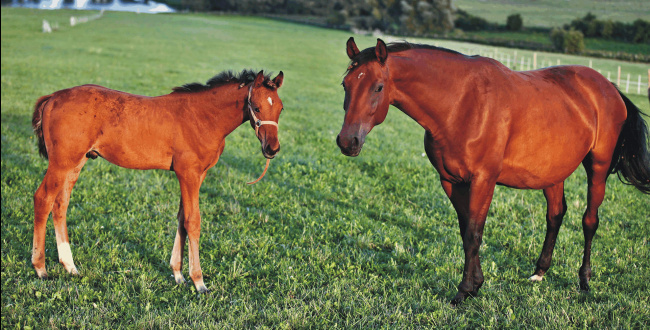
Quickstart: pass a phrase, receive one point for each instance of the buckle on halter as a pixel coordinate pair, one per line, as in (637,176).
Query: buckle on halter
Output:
(258,123)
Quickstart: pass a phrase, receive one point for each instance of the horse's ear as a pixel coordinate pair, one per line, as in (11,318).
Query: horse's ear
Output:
(381,51)
(351,48)
(259,79)
(278,80)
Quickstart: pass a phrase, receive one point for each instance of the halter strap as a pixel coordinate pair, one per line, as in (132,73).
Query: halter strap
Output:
(257,123)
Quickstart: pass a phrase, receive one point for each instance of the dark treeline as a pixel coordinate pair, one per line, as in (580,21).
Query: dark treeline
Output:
(406,17)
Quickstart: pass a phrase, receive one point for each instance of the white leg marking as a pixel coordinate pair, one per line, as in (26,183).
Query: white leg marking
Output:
(65,257)
(270,100)
(536,278)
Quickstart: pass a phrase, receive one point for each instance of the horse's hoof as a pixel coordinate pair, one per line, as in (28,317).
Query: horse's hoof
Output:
(584,285)
(180,280)
(459,298)
(536,278)
(203,290)
(74,271)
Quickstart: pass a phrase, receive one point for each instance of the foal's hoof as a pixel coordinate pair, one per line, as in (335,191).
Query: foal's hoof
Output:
(41,273)
(202,289)
(74,272)
(536,278)
(180,280)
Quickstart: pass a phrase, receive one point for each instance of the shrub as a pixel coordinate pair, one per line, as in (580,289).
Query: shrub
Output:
(337,18)
(574,42)
(571,41)
(557,38)
(514,22)
(468,22)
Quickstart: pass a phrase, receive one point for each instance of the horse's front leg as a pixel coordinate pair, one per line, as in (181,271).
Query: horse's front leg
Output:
(176,261)
(190,182)
(480,195)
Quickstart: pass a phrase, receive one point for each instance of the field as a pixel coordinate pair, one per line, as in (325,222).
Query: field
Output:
(552,13)
(324,240)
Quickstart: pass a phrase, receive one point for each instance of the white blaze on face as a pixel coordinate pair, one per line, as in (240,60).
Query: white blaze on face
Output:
(270,101)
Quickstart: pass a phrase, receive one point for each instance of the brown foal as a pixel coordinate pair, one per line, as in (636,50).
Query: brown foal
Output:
(183,131)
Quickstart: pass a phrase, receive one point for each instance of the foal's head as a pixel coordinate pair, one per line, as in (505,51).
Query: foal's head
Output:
(263,110)
(367,95)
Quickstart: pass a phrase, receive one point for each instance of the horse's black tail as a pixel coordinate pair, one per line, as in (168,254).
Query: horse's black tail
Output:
(37,123)
(631,158)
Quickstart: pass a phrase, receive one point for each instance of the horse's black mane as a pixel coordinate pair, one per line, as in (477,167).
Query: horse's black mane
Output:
(245,77)
(368,54)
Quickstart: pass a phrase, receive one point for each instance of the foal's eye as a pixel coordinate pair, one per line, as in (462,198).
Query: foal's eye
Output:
(379,88)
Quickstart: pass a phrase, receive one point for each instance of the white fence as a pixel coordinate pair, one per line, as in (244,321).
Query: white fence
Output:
(627,82)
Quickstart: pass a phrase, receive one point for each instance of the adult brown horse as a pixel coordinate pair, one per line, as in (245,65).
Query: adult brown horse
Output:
(486,125)
(183,132)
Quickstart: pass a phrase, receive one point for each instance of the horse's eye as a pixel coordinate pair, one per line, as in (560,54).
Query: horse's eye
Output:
(379,88)
(257,109)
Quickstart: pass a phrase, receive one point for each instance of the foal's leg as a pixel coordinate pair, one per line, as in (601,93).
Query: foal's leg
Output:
(480,196)
(176,261)
(597,172)
(190,182)
(555,210)
(43,201)
(59,219)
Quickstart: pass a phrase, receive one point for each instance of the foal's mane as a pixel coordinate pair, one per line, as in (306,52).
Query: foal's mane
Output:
(244,77)
(368,54)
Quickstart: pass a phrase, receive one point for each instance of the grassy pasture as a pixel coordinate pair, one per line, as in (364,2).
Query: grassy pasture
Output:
(551,13)
(324,241)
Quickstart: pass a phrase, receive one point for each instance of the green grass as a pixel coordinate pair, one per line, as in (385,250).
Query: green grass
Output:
(552,13)
(324,241)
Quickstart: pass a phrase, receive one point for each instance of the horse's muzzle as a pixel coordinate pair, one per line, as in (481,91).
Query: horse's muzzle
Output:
(270,152)
(349,146)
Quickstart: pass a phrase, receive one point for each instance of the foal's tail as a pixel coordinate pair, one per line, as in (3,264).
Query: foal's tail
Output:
(631,158)
(37,123)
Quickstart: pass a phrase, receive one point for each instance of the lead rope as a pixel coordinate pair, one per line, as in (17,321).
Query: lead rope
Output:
(257,124)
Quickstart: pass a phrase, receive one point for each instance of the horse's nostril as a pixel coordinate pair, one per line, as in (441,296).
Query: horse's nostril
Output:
(270,151)
(355,142)
(338,140)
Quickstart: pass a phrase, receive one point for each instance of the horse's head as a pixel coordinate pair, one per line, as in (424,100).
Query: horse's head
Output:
(367,95)
(263,109)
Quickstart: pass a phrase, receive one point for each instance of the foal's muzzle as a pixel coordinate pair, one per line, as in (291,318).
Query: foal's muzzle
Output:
(270,151)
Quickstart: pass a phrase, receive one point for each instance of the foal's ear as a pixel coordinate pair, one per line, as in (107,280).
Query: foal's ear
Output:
(381,51)
(351,48)
(259,79)
(279,79)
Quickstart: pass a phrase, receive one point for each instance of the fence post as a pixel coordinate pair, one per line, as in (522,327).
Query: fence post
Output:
(627,86)
(534,61)
(618,80)
(638,86)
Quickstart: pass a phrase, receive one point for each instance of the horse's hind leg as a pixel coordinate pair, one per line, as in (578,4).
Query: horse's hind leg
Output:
(53,183)
(555,210)
(176,261)
(59,218)
(597,172)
